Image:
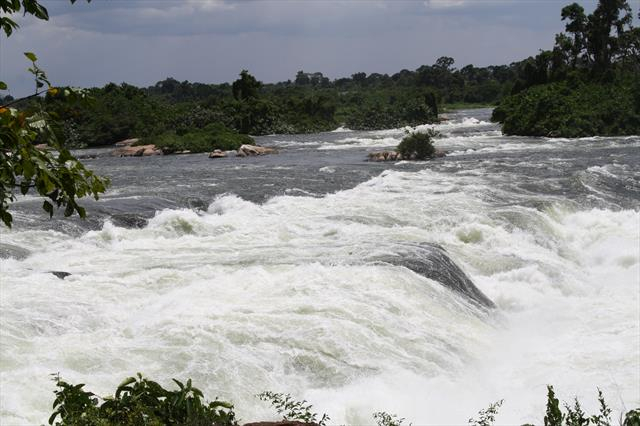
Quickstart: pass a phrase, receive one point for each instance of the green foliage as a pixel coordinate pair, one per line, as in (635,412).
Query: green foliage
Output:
(488,416)
(587,85)
(52,172)
(575,416)
(245,87)
(138,401)
(207,139)
(292,410)
(571,109)
(418,145)
(604,417)
(632,418)
(554,415)
(383,418)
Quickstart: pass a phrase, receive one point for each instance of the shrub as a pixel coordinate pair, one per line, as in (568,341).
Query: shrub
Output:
(214,136)
(138,401)
(292,410)
(418,146)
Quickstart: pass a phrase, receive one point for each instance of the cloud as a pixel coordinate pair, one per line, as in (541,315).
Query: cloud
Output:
(445,4)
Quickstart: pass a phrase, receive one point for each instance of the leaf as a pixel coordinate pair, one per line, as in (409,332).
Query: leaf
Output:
(52,91)
(31,56)
(48,207)
(3,85)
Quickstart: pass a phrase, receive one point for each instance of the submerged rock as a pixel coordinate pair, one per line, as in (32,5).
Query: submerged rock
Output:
(433,262)
(60,274)
(128,220)
(10,251)
(249,150)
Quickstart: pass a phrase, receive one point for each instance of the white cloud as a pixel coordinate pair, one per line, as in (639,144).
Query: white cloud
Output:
(445,4)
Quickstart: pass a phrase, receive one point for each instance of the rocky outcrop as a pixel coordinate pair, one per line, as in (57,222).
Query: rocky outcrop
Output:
(137,151)
(249,150)
(432,261)
(396,156)
(217,154)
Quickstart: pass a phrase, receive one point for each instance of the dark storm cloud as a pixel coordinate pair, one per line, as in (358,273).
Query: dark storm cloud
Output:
(143,41)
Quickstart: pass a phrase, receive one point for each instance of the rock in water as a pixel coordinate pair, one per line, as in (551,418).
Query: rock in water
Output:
(217,154)
(137,151)
(247,150)
(12,251)
(433,262)
(60,274)
(396,156)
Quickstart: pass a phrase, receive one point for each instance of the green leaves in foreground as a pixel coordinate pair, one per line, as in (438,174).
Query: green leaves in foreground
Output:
(138,401)
(33,156)
(292,410)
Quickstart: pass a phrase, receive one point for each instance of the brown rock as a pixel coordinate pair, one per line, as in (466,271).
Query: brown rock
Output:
(137,151)
(246,150)
(42,147)
(217,154)
(396,156)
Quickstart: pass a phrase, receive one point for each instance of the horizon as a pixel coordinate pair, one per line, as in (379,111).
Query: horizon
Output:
(211,41)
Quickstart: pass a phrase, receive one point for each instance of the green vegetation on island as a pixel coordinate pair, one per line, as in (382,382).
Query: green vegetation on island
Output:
(207,139)
(588,85)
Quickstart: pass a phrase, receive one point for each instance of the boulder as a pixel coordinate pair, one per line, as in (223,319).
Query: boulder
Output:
(126,142)
(137,151)
(60,274)
(217,154)
(396,156)
(385,156)
(247,150)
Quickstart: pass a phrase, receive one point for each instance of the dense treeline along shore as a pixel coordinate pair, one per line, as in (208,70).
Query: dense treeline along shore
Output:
(586,85)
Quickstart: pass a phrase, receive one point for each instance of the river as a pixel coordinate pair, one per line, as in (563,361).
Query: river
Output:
(304,272)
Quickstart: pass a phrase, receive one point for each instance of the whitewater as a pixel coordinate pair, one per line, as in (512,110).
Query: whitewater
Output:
(296,273)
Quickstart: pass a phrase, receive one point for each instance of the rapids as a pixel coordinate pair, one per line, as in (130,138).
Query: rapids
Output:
(304,272)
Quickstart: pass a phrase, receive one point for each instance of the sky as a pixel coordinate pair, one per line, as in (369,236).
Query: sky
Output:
(210,41)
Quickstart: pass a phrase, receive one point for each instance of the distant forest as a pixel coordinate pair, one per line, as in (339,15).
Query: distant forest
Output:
(587,84)
(309,103)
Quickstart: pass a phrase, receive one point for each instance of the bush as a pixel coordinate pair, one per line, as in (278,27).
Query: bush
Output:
(138,401)
(214,136)
(418,146)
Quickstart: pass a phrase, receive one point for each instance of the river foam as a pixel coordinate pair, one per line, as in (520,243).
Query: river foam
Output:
(289,295)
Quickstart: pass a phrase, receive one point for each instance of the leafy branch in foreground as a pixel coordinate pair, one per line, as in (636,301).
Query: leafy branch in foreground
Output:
(383,418)
(138,401)
(51,170)
(488,416)
(292,410)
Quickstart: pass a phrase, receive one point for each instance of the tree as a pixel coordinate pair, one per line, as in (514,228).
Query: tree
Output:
(245,87)
(51,172)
